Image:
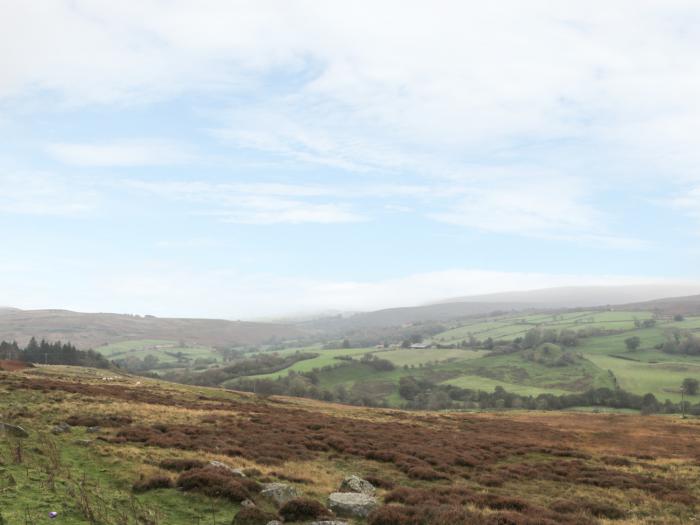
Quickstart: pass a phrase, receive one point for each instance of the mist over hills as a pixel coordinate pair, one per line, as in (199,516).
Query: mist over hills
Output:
(585,296)
(541,299)
(689,305)
(90,330)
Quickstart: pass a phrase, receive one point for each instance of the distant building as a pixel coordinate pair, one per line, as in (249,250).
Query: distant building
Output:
(420,346)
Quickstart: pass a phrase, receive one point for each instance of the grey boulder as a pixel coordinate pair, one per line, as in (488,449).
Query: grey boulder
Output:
(235,471)
(352,504)
(357,484)
(279,493)
(61,428)
(14,430)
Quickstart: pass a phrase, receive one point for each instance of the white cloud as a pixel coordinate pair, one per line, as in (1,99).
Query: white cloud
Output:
(542,206)
(34,193)
(446,73)
(432,89)
(131,152)
(537,206)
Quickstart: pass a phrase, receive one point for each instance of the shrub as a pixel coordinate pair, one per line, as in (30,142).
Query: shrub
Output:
(391,515)
(112,420)
(380,483)
(180,465)
(301,509)
(616,461)
(253,516)
(152,483)
(216,482)
(424,473)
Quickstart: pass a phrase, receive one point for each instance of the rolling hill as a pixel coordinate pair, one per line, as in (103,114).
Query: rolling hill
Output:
(90,330)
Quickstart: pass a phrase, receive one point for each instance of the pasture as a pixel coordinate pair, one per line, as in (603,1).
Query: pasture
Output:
(165,350)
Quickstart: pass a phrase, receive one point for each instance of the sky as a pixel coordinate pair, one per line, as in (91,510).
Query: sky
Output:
(247,159)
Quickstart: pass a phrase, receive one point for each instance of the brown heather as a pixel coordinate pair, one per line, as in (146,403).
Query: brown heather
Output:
(453,468)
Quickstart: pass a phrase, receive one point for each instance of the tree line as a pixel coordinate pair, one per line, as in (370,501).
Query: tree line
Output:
(56,353)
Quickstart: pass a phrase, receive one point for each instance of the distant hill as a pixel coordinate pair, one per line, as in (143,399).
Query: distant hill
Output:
(531,300)
(584,296)
(413,314)
(689,305)
(90,330)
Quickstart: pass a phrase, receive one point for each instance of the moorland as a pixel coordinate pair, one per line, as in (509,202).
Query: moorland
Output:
(123,449)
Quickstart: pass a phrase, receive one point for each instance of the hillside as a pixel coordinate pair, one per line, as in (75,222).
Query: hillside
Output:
(90,330)
(557,298)
(124,450)
(583,296)
(689,305)
(392,317)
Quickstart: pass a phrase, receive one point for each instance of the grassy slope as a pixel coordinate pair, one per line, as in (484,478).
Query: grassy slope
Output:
(658,373)
(106,469)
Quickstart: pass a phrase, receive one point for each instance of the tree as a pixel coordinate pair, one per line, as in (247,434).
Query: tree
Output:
(690,386)
(408,388)
(150,361)
(632,343)
(678,317)
(532,338)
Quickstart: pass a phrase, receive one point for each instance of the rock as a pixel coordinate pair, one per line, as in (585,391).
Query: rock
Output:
(329,522)
(61,428)
(357,484)
(279,493)
(93,430)
(14,430)
(247,503)
(235,471)
(274,522)
(352,504)
(83,442)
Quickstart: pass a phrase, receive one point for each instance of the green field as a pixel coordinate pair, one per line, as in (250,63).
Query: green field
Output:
(488,385)
(600,359)
(510,327)
(414,356)
(165,351)
(325,358)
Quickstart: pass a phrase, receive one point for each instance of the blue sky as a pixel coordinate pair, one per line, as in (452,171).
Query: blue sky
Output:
(250,159)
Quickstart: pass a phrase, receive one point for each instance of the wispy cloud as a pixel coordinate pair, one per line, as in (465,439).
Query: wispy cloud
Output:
(132,152)
(36,193)
(255,203)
